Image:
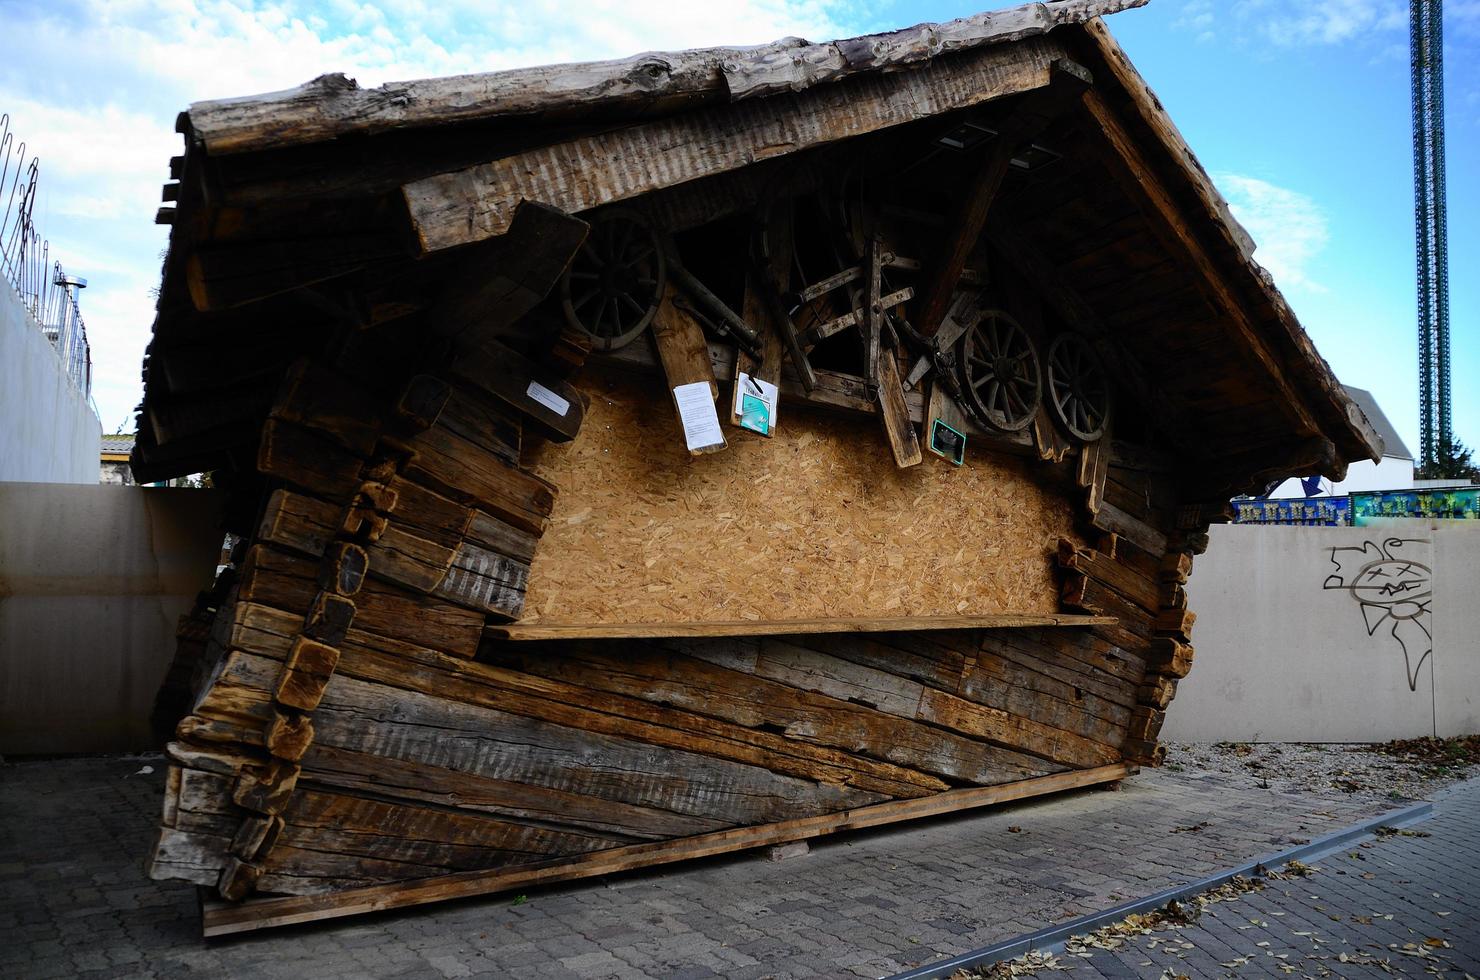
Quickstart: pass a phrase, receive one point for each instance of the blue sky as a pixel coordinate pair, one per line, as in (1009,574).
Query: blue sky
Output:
(1299,108)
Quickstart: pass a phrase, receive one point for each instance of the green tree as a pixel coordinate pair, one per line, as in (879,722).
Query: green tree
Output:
(1452,461)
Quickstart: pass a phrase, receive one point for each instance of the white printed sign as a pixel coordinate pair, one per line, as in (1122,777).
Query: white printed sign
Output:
(700,421)
(547,398)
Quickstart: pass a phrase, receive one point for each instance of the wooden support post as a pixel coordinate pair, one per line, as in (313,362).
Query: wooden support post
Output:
(945,275)
(873,330)
(759,311)
(1040,109)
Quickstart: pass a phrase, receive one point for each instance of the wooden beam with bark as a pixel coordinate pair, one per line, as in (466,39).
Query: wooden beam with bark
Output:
(477,203)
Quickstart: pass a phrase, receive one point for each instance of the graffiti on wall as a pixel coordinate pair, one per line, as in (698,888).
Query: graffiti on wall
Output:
(1394,593)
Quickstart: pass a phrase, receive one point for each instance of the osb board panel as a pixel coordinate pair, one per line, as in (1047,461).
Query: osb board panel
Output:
(816,522)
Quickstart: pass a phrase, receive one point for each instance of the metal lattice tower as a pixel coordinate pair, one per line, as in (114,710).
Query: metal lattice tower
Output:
(1426,47)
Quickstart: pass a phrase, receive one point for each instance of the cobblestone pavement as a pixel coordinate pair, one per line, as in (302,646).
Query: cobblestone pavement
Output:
(74,901)
(1405,904)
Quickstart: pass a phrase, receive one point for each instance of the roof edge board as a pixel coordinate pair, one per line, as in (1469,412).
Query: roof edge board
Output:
(332,106)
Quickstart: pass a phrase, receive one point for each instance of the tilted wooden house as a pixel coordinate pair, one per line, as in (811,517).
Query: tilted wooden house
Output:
(644,460)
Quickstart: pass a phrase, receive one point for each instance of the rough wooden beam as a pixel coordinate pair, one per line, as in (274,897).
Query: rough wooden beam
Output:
(221,920)
(1251,469)
(758,311)
(334,106)
(477,203)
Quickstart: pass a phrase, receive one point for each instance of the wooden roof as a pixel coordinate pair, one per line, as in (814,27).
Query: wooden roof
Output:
(296,212)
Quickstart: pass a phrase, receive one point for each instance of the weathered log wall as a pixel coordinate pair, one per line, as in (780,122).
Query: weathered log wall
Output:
(424,764)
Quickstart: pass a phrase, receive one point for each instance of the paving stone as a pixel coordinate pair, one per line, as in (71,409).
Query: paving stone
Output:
(76,831)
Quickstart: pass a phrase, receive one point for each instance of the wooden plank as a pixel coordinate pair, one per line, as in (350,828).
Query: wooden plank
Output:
(477,203)
(221,919)
(554,406)
(568,754)
(1144,590)
(289,583)
(440,786)
(895,414)
(306,459)
(782,627)
(707,678)
(1142,535)
(1092,472)
(943,407)
(873,321)
(815,335)
(571,693)
(684,354)
(330,405)
(769,316)
(458,469)
(847,680)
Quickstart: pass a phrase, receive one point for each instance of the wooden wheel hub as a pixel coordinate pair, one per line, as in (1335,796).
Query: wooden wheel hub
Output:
(1000,368)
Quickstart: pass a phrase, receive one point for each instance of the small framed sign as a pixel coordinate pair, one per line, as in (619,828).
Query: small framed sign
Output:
(946,441)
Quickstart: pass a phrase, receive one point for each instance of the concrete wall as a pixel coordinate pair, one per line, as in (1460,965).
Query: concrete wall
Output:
(92,582)
(1319,634)
(48,432)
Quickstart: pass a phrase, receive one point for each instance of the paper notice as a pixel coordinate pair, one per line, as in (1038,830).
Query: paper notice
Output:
(755,403)
(547,398)
(700,421)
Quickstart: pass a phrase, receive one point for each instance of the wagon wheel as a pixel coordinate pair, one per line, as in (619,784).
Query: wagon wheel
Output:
(1078,387)
(1000,368)
(615,282)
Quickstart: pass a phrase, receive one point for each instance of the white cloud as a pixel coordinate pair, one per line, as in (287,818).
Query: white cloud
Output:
(1328,21)
(93,87)
(1289,228)
(1197,17)
(1295,23)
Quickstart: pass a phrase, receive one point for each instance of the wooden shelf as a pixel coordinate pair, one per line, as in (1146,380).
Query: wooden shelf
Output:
(782,627)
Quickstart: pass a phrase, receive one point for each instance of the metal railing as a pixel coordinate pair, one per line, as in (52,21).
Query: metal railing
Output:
(47,292)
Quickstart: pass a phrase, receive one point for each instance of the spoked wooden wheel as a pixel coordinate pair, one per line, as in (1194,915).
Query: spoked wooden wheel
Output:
(1000,365)
(1078,387)
(615,282)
